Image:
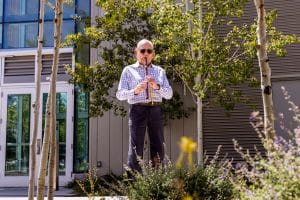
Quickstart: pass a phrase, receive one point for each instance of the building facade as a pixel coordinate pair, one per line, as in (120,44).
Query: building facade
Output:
(18,64)
(109,134)
(103,142)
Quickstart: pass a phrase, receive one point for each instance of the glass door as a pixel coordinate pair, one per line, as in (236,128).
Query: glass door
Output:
(64,129)
(16,126)
(61,126)
(17,135)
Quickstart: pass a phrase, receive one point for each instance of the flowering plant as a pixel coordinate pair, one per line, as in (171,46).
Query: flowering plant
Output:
(275,174)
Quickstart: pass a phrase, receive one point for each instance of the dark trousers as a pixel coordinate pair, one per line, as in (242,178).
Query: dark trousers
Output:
(140,118)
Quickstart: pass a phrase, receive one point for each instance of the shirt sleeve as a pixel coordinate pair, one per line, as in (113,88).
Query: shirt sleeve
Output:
(165,90)
(123,92)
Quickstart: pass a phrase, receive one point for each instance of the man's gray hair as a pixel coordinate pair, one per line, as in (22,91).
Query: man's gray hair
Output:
(144,41)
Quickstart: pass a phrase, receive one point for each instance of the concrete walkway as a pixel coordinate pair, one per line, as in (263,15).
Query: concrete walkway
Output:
(67,198)
(22,192)
(62,194)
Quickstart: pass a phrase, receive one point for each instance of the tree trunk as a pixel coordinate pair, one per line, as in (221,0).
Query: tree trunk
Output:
(53,152)
(45,149)
(199,100)
(200,157)
(265,70)
(36,105)
(50,102)
(52,156)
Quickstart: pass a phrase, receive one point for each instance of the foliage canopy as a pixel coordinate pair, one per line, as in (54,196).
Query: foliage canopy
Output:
(204,45)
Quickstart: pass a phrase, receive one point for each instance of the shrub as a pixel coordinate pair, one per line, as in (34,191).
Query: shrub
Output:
(92,185)
(210,182)
(185,181)
(156,183)
(275,175)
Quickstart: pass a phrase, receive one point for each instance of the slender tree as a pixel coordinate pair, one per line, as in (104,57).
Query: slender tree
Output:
(211,55)
(36,105)
(216,53)
(265,70)
(199,101)
(50,106)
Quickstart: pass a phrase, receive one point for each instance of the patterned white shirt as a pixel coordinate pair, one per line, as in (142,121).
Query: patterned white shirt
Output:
(133,75)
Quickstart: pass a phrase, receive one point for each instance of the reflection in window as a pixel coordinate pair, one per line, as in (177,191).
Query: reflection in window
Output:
(68,10)
(61,126)
(1,35)
(68,28)
(17,135)
(81,132)
(19,22)
(21,10)
(1,8)
(20,35)
(83,8)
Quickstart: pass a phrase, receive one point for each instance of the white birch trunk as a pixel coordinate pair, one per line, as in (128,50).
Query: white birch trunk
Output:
(50,113)
(199,103)
(265,70)
(52,156)
(36,105)
(45,149)
(57,41)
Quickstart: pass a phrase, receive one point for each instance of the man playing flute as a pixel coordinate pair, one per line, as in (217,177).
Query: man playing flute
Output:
(143,85)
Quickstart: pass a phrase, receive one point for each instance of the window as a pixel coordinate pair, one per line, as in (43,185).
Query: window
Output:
(68,28)
(68,11)
(17,135)
(18,35)
(19,22)
(20,10)
(81,132)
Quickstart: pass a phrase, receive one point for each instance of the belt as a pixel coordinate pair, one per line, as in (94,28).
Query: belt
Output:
(148,104)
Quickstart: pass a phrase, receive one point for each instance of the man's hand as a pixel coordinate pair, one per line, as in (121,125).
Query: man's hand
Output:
(140,87)
(152,82)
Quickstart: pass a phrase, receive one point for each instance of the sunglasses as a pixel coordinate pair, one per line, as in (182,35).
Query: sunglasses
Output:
(149,51)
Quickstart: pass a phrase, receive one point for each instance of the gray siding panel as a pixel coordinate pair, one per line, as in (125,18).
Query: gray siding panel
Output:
(221,129)
(93,142)
(176,130)
(116,143)
(103,144)
(287,22)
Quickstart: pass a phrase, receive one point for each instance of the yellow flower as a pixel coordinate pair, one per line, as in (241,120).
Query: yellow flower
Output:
(187,145)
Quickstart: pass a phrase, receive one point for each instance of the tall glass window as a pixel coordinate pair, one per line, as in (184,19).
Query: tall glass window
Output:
(81,132)
(61,126)
(17,135)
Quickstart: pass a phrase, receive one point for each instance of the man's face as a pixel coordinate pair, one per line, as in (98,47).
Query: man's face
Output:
(144,52)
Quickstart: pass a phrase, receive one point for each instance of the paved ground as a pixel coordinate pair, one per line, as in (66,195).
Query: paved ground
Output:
(22,192)
(67,198)
(62,194)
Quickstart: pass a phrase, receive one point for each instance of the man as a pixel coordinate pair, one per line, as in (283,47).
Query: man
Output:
(143,85)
